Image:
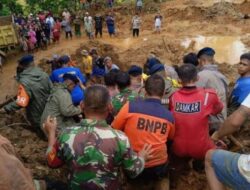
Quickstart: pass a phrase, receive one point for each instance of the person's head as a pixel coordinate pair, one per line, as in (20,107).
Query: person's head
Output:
(158,69)
(135,72)
(155,86)
(97,102)
(64,60)
(206,56)
(55,57)
(93,51)
(191,58)
(108,62)
(24,63)
(110,78)
(244,65)
(122,80)
(188,74)
(85,53)
(70,80)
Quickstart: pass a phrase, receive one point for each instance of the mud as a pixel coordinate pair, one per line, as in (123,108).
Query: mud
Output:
(187,26)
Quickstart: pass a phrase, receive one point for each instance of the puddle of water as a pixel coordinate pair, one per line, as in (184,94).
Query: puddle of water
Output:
(228,48)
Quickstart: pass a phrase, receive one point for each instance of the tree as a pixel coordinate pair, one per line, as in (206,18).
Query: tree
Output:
(8,7)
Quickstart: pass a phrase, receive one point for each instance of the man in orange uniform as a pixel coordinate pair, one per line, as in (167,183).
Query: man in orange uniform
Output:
(148,122)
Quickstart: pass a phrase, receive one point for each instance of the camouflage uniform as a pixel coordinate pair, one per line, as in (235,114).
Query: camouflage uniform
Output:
(120,99)
(95,151)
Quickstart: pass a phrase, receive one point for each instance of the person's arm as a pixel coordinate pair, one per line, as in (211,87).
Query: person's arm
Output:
(66,106)
(133,163)
(171,131)
(81,77)
(50,126)
(121,118)
(22,100)
(232,123)
(217,105)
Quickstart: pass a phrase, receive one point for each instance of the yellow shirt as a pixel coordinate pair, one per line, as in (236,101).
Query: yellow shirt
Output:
(87,64)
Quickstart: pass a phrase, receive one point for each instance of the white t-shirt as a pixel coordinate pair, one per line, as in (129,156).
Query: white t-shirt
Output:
(66,15)
(158,22)
(244,160)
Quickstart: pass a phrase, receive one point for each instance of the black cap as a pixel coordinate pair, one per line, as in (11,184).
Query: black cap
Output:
(156,68)
(206,51)
(68,76)
(135,70)
(64,59)
(26,60)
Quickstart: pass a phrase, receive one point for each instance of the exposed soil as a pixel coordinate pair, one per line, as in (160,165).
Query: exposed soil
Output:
(182,19)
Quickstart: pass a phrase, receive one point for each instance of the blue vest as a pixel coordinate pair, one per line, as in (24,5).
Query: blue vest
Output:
(241,89)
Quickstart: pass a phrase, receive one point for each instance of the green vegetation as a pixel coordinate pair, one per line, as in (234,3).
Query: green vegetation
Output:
(10,6)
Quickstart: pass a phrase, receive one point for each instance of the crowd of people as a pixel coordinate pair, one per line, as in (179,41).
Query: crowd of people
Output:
(98,119)
(37,31)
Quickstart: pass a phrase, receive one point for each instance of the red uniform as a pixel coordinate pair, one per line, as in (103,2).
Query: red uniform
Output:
(191,108)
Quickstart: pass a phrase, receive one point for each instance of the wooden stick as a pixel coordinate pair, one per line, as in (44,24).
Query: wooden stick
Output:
(236,142)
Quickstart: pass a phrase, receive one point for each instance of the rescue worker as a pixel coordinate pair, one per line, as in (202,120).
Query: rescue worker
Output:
(228,169)
(191,58)
(98,62)
(150,62)
(210,77)
(94,150)
(170,85)
(135,73)
(191,107)
(109,65)
(242,86)
(148,122)
(56,76)
(33,91)
(86,63)
(126,94)
(60,105)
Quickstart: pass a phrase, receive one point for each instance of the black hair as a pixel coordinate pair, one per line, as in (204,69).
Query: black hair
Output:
(155,85)
(187,73)
(97,98)
(123,80)
(110,78)
(191,58)
(245,56)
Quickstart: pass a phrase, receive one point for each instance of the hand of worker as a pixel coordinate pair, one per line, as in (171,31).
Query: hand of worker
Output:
(215,136)
(146,152)
(2,111)
(81,84)
(50,125)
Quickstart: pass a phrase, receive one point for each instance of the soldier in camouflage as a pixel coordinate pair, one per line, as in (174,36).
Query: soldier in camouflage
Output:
(93,150)
(126,94)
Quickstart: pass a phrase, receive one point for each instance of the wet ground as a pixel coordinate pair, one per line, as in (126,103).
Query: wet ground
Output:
(188,25)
